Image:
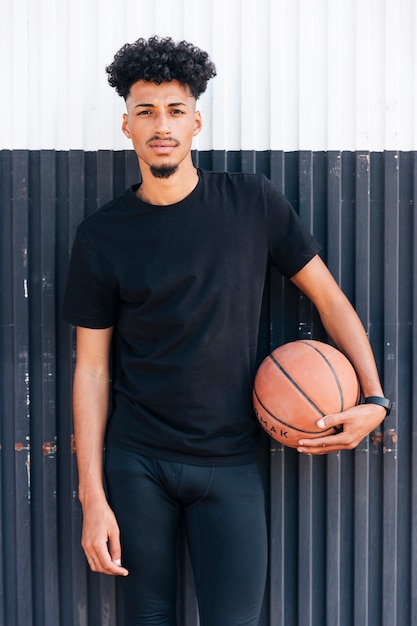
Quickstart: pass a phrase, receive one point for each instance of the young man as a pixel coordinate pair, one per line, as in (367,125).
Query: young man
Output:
(176,267)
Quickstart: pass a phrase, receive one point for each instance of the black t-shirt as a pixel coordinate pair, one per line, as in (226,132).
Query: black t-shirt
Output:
(183,285)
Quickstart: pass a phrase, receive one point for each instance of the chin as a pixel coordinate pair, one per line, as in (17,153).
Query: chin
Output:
(163,171)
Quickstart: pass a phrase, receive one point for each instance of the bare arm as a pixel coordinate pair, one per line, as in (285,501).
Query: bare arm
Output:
(100,538)
(345,328)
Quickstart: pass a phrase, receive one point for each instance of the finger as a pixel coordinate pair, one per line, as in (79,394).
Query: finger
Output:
(91,562)
(317,451)
(100,561)
(115,551)
(109,567)
(322,445)
(119,569)
(335,420)
(325,441)
(115,547)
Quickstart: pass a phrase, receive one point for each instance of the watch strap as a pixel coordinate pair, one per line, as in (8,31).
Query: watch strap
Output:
(387,404)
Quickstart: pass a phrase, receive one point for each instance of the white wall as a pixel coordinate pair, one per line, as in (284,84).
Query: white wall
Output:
(292,74)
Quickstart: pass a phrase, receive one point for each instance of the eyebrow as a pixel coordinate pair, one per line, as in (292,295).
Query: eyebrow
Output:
(150,105)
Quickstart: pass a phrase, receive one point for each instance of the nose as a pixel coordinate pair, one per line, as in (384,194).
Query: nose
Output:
(162,124)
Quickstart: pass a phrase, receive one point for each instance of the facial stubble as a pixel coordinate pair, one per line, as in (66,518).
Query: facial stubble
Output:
(163,171)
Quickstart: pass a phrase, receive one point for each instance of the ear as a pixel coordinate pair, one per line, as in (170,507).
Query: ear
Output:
(198,124)
(125,126)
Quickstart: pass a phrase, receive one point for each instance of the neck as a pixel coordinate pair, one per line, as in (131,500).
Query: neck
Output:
(166,191)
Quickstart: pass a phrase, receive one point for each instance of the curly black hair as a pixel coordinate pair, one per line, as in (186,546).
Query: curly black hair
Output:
(160,60)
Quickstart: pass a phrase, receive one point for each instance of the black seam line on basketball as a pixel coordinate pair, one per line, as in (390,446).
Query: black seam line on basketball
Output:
(300,430)
(287,375)
(331,369)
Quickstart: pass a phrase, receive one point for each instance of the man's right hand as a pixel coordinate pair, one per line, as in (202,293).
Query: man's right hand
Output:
(101,539)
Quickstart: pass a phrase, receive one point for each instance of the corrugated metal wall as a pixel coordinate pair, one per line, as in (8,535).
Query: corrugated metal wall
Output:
(321,97)
(343,528)
(292,74)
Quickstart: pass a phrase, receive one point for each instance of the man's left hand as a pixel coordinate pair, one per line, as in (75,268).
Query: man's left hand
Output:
(357,423)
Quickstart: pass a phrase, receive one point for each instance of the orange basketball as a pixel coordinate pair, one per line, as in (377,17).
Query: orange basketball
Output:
(300,382)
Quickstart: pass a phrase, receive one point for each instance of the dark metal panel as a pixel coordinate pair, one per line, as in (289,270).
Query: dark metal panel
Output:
(335,611)
(15,434)
(63,395)
(19,294)
(413,401)
(8,516)
(362,487)
(375,332)
(390,442)
(42,350)
(405,381)
(343,529)
(70,210)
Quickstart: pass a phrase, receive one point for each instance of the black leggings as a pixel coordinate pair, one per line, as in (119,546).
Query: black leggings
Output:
(224,515)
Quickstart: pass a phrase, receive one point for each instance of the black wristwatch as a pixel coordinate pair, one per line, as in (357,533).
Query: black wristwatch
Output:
(387,404)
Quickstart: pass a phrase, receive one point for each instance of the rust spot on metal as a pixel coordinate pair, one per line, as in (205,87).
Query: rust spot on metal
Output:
(390,440)
(377,438)
(49,448)
(19,447)
(393,434)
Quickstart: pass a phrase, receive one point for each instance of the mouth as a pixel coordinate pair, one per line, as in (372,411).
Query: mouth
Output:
(162,146)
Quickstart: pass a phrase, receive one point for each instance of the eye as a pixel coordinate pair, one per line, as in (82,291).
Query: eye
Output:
(177,112)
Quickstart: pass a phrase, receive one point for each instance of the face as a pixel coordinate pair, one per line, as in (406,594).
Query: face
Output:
(161,121)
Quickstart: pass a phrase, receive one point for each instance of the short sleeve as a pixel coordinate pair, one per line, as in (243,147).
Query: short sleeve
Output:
(91,293)
(291,245)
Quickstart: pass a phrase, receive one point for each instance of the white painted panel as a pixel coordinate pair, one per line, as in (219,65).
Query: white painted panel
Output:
(292,74)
